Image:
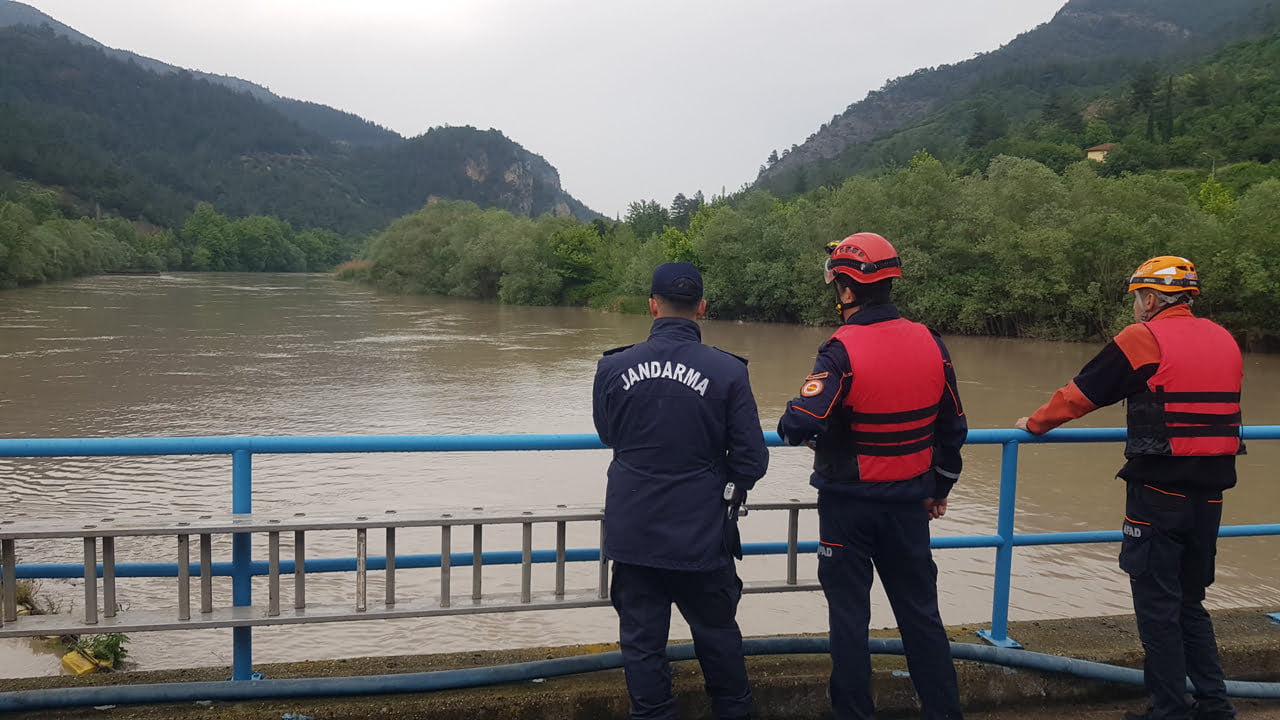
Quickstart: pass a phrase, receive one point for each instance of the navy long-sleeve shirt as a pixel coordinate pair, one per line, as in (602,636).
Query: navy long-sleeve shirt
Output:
(682,422)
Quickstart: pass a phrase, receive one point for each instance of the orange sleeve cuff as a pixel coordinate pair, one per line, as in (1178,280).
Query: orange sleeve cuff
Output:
(1067,404)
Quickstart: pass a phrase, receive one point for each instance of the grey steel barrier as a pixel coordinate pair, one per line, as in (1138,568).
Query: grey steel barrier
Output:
(109,530)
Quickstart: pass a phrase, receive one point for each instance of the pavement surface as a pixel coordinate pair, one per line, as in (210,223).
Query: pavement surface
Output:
(1245,710)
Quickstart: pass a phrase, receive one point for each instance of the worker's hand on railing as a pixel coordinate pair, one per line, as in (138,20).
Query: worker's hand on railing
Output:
(1022,423)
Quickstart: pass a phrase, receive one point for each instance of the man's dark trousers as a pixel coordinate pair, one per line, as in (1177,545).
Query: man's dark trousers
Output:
(708,600)
(895,537)
(1170,540)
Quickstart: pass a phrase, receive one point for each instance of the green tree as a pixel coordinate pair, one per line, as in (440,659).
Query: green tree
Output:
(684,208)
(574,250)
(1143,93)
(988,123)
(265,244)
(1215,199)
(1098,132)
(208,234)
(647,218)
(1062,109)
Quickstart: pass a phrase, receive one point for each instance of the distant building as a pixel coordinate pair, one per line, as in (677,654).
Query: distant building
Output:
(1099,152)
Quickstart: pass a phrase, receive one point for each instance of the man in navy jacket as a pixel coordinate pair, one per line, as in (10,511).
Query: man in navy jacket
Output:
(687,445)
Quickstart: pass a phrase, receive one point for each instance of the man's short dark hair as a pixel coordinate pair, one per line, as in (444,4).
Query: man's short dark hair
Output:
(681,305)
(876,293)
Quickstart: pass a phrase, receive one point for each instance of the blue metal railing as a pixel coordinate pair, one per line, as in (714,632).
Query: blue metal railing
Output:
(241,449)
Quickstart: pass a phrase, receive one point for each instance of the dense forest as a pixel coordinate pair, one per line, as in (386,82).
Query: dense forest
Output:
(1087,46)
(1170,113)
(1018,250)
(44,238)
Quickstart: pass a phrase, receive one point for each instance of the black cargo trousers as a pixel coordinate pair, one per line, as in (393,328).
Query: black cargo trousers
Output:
(1170,540)
(893,537)
(708,600)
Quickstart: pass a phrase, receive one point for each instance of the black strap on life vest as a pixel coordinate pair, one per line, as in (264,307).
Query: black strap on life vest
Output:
(892,418)
(1189,423)
(893,443)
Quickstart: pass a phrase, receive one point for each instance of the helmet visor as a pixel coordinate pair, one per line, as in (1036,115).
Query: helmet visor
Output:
(866,268)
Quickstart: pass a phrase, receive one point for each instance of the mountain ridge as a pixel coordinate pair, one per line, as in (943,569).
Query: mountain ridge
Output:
(150,146)
(1082,30)
(350,128)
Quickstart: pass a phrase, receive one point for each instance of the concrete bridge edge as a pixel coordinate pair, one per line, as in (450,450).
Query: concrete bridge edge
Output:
(785,687)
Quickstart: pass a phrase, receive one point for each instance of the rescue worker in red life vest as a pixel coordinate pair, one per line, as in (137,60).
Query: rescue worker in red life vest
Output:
(1181,376)
(881,412)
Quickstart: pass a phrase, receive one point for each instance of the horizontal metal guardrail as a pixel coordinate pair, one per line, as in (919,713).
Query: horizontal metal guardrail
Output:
(109,530)
(242,567)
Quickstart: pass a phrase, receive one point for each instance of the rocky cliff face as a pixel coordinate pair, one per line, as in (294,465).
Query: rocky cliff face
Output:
(464,163)
(1081,30)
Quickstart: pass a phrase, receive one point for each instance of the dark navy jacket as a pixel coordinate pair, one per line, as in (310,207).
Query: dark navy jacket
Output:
(820,426)
(682,423)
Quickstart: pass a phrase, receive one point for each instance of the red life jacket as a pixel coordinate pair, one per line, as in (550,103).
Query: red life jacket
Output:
(1192,404)
(898,379)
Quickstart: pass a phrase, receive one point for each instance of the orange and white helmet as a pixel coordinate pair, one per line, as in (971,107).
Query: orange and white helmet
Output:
(1167,274)
(864,257)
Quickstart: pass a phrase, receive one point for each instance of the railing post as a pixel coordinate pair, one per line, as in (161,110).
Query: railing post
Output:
(9,582)
(241,559)
(603,590)
(184,577)
(526,562)
(793,545)
(108,576)
(998,635)
(446,564)
(90,581)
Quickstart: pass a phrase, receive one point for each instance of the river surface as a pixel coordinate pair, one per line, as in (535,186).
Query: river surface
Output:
(180,355)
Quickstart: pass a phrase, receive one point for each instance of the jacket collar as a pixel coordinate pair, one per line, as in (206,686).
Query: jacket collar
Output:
(1181,310)
(675,328)
(874,314)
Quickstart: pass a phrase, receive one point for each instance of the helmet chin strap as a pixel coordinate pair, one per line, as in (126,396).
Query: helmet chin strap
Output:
(841,306)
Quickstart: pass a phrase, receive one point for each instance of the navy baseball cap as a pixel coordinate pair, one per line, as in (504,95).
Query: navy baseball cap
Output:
(677,280)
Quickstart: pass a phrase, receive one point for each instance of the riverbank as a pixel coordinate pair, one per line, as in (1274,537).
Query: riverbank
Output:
(785,686)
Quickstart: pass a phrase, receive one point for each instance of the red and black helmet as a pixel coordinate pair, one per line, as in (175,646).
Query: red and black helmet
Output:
(864,257)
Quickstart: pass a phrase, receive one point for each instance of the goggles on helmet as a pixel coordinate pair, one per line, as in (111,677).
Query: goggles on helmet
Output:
(863,267)
(1190,281)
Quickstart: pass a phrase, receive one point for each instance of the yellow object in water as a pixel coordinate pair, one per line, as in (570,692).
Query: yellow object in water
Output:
(80,663)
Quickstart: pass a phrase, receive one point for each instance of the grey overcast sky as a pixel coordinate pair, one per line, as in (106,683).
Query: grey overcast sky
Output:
(630,100)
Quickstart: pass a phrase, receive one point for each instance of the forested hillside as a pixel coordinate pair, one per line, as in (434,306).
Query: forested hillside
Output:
(1090,45)
(1017,250)
(149,146)
(1218,116)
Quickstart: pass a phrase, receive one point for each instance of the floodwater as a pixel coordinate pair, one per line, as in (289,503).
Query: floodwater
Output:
(181,355)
